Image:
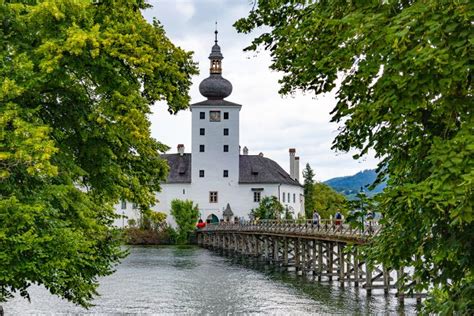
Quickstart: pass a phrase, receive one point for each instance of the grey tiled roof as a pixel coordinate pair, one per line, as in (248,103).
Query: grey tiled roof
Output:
(216,103)
(258,169)
(228,211)
(253,169)
(180,168)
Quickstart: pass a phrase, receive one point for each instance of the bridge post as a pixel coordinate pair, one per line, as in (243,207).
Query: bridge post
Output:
(315,258)
(285,251)
(368,279)
(236,243)
(386,279)
(356,268)
(340,249)
(330,251)
(320,260)
(265,248)
(275,250)
(400,285)
(303,257)
(297,255)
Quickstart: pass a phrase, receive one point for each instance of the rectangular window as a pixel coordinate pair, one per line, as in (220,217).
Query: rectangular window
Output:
(201,148)
(202,115)
(226,173)
(201,173)
(226,115)
(184,191)
(124,205)
(284,197)
(226,131)
(202,131)
(134,206)
(294,197)
(213,197)
(257,196)
(226,148)
(289,197)
(215,116)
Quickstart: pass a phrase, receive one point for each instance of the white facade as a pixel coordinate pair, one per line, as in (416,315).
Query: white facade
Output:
(216,173)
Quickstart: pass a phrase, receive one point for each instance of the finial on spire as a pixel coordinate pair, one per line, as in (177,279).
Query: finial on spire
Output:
(215,32)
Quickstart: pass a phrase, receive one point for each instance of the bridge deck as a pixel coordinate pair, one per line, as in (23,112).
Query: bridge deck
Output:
(326,230)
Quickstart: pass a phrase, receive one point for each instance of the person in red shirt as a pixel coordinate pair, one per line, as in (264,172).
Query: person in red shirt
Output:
(201,224)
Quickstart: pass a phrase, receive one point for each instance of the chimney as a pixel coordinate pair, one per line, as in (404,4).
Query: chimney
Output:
(246,150)
(260,154)
(292,162)
(297,169)
(181,149)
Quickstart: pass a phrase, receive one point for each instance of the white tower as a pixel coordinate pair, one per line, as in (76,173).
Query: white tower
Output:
(215,140)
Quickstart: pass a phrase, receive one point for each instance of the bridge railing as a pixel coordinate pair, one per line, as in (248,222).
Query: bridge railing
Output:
(328,228)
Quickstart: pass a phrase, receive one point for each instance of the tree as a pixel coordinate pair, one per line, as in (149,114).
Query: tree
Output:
(308,188)
(77,82)
(403,74)
(269,208)
(327,201)
(185,214)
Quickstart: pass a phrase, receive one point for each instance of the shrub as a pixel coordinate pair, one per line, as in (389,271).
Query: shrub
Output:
(186,215)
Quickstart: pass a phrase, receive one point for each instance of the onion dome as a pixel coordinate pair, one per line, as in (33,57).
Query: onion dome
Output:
(215,87)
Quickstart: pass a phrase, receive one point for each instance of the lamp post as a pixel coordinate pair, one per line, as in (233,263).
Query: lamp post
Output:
(362,194)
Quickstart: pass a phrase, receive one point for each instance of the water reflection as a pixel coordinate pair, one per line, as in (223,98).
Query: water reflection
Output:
(190,280)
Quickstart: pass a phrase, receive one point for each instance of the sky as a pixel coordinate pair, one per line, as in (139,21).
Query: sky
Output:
(269,123)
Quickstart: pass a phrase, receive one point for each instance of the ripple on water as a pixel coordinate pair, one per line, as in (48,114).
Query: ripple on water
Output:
(172,280)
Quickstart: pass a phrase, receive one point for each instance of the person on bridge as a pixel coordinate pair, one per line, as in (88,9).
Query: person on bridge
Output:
(316,218)
(338,218)
(200,224)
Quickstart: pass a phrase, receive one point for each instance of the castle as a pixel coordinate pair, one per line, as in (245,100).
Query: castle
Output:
(225,181)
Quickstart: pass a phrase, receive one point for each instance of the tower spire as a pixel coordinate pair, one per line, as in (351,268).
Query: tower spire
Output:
(215,33)
(215,87)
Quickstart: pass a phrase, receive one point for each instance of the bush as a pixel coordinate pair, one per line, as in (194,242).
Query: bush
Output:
(269,208)
(137,236)
(186,215)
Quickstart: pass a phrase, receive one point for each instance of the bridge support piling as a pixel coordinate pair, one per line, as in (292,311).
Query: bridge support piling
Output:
(316,251)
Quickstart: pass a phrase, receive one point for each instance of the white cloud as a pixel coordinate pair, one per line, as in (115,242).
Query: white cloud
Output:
(185,8)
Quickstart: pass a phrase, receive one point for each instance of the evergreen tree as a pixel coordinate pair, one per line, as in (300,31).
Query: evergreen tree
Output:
(309,204)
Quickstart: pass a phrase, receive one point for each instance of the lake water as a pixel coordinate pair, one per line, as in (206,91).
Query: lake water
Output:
(172,280)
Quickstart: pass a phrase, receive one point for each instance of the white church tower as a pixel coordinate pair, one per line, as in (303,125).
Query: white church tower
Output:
(224,183)
(215,138)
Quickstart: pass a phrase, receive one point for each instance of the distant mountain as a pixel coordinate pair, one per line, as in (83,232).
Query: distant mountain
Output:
(350,185)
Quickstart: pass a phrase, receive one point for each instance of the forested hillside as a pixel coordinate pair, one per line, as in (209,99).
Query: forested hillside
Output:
(350,185)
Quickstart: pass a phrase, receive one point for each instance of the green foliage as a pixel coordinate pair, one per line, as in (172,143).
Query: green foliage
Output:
(269,208)
(76,84)
(185,214)
(151,220)
(405,92)
(309,203)
(327,201)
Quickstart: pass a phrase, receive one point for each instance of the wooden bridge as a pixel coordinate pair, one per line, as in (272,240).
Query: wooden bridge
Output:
(327,251)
